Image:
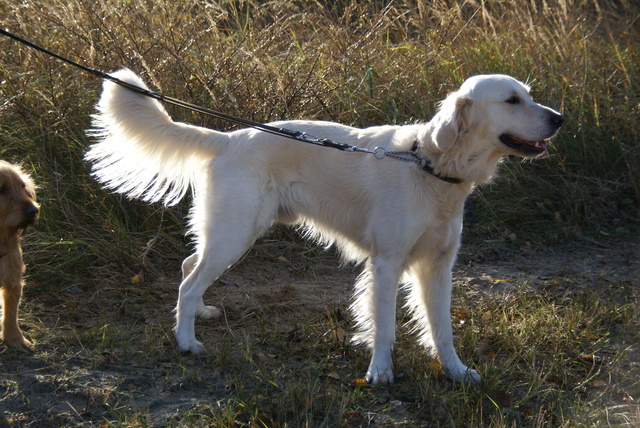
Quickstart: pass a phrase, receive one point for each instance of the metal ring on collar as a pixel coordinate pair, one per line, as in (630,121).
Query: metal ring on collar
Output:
(379,152)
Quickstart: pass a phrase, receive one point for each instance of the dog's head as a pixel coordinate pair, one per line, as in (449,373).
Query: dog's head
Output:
(18,206)
(498,110)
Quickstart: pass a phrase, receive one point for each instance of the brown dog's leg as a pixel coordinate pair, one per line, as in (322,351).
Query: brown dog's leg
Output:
(11,333)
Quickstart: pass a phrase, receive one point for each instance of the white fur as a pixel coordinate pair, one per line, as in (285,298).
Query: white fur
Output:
(403,223)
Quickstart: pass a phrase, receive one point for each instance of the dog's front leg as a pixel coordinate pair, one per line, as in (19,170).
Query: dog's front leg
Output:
(376,313)
(11,333)
(430,299)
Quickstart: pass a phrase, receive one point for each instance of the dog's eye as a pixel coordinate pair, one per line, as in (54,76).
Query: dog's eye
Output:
(513,100)
(3,190)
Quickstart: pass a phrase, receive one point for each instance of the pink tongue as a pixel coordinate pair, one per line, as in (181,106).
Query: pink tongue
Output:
(540,143)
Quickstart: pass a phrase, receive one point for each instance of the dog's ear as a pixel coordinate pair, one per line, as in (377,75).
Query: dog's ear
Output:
(451,121)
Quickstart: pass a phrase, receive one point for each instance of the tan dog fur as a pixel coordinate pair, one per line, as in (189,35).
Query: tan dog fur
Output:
(18,210)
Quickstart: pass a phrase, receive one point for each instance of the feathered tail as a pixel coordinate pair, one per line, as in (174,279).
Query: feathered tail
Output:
(140,151)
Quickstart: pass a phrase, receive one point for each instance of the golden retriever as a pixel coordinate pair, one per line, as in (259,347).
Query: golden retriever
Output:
(18,210)
(400,221)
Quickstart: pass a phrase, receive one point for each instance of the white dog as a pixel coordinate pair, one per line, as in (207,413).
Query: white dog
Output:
(402,221)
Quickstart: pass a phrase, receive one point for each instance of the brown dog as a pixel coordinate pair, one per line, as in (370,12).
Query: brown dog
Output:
(18,210)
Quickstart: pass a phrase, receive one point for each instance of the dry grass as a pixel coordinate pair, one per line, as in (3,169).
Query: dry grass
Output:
(554,355)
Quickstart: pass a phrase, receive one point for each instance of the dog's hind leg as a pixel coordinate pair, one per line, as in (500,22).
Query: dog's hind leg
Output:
(189,264)
(235,217)
(203,311)
(224,247)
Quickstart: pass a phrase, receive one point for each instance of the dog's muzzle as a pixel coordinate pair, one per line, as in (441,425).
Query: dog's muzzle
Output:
(30,216)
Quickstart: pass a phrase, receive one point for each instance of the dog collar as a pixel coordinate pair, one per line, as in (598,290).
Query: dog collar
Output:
(425,165)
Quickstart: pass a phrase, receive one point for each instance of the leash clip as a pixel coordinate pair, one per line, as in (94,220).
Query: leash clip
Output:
(308,138)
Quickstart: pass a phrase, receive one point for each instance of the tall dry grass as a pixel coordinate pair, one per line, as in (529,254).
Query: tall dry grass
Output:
(360,63)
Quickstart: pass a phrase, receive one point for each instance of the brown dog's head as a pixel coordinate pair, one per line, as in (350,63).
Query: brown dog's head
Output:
(18,206)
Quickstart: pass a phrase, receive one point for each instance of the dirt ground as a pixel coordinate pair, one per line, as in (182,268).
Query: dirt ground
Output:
(102,353)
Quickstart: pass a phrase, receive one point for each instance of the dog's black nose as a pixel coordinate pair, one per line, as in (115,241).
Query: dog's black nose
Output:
(557,119)
(31,211)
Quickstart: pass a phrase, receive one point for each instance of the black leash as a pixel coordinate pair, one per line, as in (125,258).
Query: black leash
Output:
(378,152)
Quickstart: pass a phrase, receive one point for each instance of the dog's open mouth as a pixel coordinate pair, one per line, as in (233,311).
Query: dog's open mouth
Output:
(526,147)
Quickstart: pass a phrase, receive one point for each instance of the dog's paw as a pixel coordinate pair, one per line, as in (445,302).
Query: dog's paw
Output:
(380,369)
(465,375)
(193,348)
(208,313)
(18,341)
(379,377)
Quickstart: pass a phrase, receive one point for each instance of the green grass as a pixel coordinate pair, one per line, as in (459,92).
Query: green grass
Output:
(359,63)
